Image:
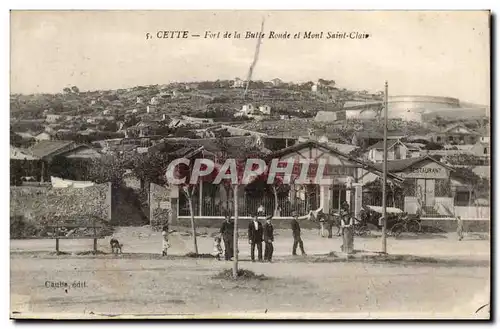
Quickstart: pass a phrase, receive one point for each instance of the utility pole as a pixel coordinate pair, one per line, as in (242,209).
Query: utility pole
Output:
(384,186)
(235,236)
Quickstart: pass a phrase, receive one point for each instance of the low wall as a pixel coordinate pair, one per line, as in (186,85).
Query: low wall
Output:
(473,212)
(450,225)
(119,206)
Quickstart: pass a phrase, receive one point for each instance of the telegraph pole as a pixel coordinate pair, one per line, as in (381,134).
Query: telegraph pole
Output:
(384,186)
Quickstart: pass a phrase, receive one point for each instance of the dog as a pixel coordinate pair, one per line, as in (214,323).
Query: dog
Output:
(116,246)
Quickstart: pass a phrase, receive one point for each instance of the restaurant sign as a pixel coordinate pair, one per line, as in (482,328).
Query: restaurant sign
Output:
(430,170)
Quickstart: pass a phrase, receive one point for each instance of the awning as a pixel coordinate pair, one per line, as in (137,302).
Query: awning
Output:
(389,210)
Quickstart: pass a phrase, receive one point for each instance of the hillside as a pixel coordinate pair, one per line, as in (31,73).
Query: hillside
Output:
(174,99)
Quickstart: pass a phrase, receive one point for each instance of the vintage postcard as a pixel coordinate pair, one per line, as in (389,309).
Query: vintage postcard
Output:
(250,164)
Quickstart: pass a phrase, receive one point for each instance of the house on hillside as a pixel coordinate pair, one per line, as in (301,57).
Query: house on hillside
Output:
(154,101)
(142,129)
(396,150)
(455,134)
(238,83)
(246,110)
(265,109)
(52,118)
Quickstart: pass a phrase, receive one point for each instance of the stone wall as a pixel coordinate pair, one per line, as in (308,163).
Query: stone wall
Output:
(160,205)
(42,202)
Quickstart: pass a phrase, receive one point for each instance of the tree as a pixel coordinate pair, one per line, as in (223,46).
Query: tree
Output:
(188,188)
(106,169)
(75,89)
(110,126)
(478,185)
(149,167)
(67,90)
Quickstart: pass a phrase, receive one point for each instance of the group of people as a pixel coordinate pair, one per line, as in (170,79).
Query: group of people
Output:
(258,234)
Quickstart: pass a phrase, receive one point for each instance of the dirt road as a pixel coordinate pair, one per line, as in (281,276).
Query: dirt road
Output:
(144,240)
(157,287)
(154,287)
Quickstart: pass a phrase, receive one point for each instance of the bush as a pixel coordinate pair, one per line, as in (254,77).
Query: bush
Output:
(242,274)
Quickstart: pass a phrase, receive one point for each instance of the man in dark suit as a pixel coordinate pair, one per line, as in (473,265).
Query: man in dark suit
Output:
(227,232)
(268,239)
(297,240)
(255,237)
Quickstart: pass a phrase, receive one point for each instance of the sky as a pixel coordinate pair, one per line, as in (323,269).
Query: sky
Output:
(418,53)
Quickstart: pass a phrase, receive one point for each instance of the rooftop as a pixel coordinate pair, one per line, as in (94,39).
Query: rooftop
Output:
(401,165)
(46,148)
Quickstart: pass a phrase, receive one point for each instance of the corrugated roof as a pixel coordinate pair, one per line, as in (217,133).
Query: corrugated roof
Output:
(46,148)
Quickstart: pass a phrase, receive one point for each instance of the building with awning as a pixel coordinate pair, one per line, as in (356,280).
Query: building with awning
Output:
(428,185)
(342,181)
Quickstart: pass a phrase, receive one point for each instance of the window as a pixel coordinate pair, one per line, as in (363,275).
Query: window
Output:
(450,138)
(438,139)
(485,150)
(442,188)
(462,199)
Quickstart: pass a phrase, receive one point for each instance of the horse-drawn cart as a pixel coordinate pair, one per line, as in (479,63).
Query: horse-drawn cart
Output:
(398,221)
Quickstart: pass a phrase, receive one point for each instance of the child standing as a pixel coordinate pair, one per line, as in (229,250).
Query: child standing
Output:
(460,228)
(217,252)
